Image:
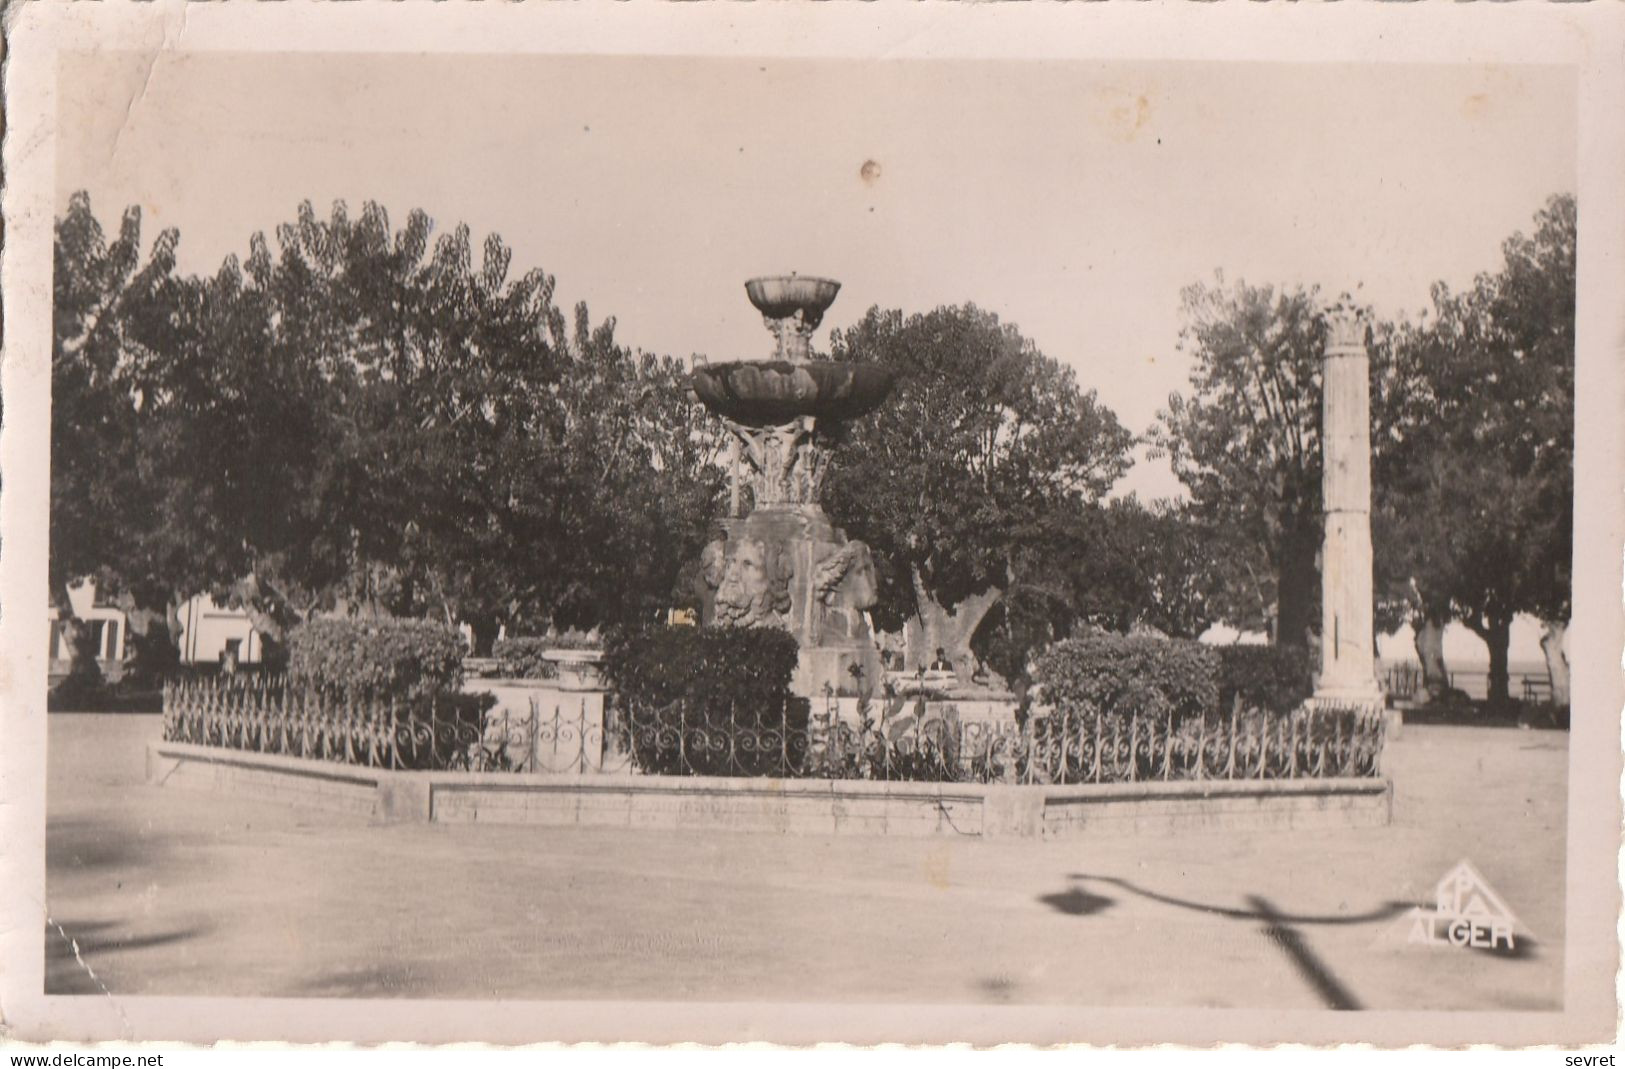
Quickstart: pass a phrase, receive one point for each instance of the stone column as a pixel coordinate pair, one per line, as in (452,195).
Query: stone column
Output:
(1348,670)
(793,334)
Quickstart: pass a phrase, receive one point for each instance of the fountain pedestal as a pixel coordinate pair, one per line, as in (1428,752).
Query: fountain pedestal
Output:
(789,567)
(785,564)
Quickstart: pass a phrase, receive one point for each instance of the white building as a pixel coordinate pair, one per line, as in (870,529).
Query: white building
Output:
(108,630)
(211,632)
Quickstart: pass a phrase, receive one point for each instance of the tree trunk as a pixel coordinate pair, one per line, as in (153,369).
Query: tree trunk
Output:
(485,627)
(935,627)
(1297,596)
(1430,652)
(250,594)
(139,618)
(172,619)
(1497,635)
(1557,662)
(81,653)
(152,643)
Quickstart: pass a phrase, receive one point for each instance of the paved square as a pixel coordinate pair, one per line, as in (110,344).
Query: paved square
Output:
(171,892)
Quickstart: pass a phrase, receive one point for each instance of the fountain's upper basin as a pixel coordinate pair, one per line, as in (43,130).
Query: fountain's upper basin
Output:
(782,296)
(761,392)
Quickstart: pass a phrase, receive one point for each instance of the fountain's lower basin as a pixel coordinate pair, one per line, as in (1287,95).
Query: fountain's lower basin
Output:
(763,392)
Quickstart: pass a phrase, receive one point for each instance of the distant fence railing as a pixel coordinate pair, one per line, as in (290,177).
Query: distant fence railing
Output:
(1404,682)
(917,743)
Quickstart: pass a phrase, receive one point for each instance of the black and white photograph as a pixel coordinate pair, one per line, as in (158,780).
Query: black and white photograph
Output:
(958,541)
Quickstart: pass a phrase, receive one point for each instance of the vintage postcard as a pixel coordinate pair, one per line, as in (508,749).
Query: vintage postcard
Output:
(1043,524)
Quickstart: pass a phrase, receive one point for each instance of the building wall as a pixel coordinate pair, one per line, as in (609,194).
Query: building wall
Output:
(108,625)
(208,630)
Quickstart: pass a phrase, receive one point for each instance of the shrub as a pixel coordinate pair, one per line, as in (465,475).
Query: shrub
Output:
(723,691)
(1274,679)
(411,661)
(1121,675)
(522,657)
(740,666)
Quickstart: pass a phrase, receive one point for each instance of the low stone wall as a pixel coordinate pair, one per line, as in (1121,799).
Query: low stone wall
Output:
(268,777)
(816,807)
(1134,808)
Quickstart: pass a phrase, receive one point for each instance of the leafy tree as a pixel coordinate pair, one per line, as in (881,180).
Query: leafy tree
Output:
(1246,442)
(985,446)
(1534,311)
(1474,461)
(1410,528)
(1472,447)
(363,423)
(1119,567)
(109,312)
(504,467)
(1169,568)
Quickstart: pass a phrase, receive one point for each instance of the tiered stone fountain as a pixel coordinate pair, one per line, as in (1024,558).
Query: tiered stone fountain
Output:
(784,563)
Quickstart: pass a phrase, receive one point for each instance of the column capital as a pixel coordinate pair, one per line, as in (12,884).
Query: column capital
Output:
(1347,331)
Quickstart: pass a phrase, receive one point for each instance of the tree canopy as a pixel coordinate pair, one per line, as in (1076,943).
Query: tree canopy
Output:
(984,448)
(1474,458)
(1246,442)
(363,418)
(1472,435)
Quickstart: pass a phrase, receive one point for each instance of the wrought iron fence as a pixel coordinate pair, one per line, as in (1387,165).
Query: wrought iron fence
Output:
(920,743)
(904,742)
(268,715)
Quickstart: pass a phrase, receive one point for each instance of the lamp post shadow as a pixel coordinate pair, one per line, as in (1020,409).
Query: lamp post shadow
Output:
(1282,929)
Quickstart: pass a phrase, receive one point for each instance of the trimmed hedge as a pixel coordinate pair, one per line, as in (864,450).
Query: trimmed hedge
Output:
(1276,679)
(709,683)
(411,661)
(1121,675)
(712,666)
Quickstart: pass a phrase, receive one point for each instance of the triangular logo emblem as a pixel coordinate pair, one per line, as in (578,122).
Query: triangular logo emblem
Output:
(1466,913)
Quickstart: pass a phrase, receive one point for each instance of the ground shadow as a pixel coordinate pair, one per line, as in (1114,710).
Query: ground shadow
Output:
(1479,716)
(372,981)
(1308,964)
(1524,948)
(1386,910)
(997,988)
(78,844)
(1076,902)
(1280,928)
(73,948)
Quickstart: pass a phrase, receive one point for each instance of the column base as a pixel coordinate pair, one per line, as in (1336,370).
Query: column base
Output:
(1361,695)
(1369,700)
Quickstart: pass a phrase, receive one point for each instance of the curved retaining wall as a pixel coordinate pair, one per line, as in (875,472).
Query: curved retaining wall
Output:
(816,807)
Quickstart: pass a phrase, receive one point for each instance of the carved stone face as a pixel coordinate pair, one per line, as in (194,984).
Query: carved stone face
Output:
(755,587)
(714,563)
(862,588)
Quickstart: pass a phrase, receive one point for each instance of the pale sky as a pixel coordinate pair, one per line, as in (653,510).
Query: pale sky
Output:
(1073,198)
